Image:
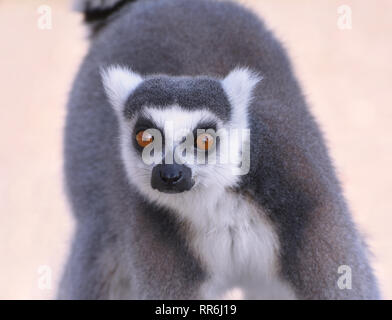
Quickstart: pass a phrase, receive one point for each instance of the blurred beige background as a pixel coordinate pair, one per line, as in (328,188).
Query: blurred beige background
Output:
(346,76)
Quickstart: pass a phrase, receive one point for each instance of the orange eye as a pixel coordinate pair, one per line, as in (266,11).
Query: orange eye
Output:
(144,138)
(204,141)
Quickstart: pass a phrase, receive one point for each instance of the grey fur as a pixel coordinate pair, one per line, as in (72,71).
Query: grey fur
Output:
(189,93)
(291,175)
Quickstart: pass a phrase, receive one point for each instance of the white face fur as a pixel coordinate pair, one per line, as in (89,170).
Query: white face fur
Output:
(212,178)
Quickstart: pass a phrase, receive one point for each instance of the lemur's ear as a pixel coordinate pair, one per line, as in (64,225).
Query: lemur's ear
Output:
(239,85)
(119,82)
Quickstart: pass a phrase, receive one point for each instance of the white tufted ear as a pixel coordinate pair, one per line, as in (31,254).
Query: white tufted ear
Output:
(238,85)
(119,82)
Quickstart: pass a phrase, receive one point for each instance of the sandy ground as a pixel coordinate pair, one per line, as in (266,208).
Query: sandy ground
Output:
(346,76)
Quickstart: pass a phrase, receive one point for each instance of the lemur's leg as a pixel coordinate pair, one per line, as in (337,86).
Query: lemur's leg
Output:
(93,269)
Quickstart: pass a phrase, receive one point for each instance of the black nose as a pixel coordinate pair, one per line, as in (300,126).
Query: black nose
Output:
(171,178)
(170,174)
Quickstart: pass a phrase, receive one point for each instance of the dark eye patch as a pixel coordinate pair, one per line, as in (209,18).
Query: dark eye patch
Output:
(205,125)
(143,123)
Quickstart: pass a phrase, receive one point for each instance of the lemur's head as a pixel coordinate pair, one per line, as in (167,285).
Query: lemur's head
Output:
(181,136)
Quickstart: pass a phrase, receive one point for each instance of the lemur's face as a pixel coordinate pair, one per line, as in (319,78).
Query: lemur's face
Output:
(182,137)
(173,148)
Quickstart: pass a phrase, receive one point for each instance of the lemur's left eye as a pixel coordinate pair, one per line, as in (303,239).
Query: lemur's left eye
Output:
(204,141)
(144,138)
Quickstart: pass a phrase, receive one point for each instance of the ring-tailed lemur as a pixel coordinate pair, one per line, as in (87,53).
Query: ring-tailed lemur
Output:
(183,229)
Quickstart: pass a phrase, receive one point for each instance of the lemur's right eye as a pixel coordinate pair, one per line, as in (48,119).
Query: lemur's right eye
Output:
(204,141)
(144,138)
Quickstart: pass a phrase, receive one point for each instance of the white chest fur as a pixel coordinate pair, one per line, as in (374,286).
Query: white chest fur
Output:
(239,248)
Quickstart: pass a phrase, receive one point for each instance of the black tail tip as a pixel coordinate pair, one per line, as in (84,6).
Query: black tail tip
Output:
(97,12)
